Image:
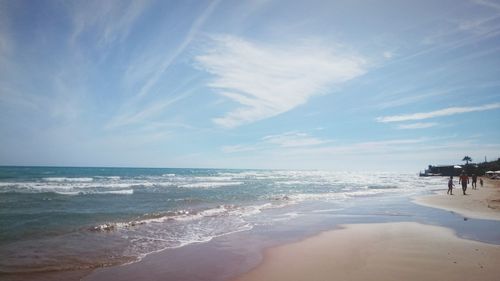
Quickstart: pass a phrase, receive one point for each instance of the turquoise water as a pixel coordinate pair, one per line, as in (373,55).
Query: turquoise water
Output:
(60,218)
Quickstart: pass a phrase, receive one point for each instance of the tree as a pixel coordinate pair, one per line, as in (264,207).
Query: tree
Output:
(467,159)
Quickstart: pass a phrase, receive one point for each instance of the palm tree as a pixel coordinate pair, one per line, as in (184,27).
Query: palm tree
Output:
(467,159)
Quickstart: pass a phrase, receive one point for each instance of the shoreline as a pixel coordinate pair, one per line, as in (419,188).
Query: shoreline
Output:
(417,241)
(482,203)
(395,250)
(235,256)
(381,251)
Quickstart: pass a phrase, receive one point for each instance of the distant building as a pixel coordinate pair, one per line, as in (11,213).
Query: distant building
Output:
(454,170)
(442,170)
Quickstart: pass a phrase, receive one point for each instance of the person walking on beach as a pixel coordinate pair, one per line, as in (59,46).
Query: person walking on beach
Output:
(474,181)
(464,180)
(450,186)
(481,181)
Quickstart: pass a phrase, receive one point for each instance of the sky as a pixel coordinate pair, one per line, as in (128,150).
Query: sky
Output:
(334,85)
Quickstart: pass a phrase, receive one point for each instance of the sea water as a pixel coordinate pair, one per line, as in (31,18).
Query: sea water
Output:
(67,218)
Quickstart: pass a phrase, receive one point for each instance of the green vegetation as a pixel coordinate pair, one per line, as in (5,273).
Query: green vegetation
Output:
(481,168)
(467,159)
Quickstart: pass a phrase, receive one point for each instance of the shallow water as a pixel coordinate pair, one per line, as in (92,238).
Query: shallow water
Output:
(226,257)
(59,219)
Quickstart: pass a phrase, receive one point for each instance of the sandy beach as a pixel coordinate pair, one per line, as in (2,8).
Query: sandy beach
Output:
(393,251)
(381,237)
(481,203)
(388,251)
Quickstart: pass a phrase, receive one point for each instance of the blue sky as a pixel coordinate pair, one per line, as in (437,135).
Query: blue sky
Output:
(339,85)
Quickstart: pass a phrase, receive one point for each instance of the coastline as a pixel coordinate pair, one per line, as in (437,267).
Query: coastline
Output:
(395,250)
(387,217)
(383,251)
(398,249)
(482,203)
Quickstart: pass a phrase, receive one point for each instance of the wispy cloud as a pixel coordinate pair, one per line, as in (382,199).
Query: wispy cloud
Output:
(238,148)
(267,80)
(285,140)
(438,113)
(367,147)
(156,108)
(109,21)
(303,143)
(5,41)
(488,4)
(417,125)
(388,54)
(479,25)
(459,31)
(293,139)
(324,149)
(169,58)
(410,95)
(147,70)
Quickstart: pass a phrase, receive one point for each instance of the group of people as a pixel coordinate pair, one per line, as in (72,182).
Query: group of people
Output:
(464,181)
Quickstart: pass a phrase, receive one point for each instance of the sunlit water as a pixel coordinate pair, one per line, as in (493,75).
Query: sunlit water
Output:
(77,218)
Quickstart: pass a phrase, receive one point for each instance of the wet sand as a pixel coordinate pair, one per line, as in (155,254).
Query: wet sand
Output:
(373,251)
(386,251)
(481,203)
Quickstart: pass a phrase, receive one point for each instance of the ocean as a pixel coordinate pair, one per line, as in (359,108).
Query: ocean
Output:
(69,218)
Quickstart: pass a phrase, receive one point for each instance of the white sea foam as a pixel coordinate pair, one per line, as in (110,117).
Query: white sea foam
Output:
(317,197)
(286,217)
(63,179)
(74,187)
(187,227)
(213,178)
(210,184)
(190,215)
(266,201)
(145,245)
(119,192)
(327,210)
(124,192)
(71,193)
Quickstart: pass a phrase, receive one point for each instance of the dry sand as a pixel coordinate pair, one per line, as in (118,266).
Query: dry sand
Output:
(388,251)
(482,203)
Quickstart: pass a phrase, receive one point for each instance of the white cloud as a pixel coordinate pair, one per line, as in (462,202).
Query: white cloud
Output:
(110,21)
(417,125)
(408,155)
(488,4)
(367,147)
(438,113)
(170,57)
(238,148)
(269,80)
(388,55)
(285,140)
(7,44)
(303,146)
(293,139)
(297,143)
(151,110)
(480,25)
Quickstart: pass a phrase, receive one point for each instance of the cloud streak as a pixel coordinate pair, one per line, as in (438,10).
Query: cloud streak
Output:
(110,21)
(293,139)
(437,113)
(417,125)
(167,61)
(267,80)
(285,140)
